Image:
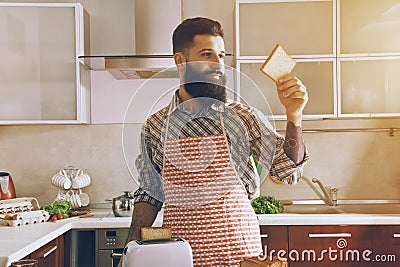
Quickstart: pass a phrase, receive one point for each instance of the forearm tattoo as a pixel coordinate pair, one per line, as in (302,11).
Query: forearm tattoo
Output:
(294,145)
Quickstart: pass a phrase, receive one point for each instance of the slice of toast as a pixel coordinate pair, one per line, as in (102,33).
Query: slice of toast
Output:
(278,64)
(255,262)
(152,233)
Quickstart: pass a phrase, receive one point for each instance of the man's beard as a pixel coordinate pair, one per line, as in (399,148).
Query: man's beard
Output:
(200,84)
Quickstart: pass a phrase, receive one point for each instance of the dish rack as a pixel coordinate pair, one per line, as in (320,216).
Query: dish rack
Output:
(71,178)
(21,211)
(70,181)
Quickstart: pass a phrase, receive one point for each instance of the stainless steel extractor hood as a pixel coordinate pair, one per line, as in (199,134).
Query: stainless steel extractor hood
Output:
(153,44)
(133,66)
(137,66)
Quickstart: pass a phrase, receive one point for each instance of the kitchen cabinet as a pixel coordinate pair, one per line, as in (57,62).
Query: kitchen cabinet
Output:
(303,28)
(274,238)
(260,92)
(386,245)
(346,51)
(371,21)
(368,58)
(51,254)
(376,95)
(41,81)
(262,24)
(333,245)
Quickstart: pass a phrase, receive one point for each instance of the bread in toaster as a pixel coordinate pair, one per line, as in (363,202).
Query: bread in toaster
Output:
(278,64)
(255,262)
(152,233)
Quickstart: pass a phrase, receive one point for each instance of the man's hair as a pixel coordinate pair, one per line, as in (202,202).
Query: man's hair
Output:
(183,35)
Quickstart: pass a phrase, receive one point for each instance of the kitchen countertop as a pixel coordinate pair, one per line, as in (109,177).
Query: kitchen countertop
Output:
(17,242)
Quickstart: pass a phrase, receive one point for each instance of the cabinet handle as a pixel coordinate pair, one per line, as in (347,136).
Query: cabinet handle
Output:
(49,251)
(264,235)
(396,235)
(330,235)
(116,255)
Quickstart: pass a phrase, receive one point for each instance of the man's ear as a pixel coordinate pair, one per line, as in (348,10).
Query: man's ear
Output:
(179,59)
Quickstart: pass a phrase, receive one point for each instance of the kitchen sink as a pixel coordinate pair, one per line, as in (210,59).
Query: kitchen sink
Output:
(370,208)
(311,209)
(344,207)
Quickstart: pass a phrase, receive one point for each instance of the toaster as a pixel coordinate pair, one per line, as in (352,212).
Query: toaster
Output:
(171,252)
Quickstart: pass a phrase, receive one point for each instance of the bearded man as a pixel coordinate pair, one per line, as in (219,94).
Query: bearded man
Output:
(196,153)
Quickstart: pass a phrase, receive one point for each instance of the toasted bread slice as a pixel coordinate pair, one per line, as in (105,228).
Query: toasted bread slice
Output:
(255,262)
(278,64)
(151,233)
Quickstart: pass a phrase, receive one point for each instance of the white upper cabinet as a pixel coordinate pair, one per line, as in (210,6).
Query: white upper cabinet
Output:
(302,27)
(369,58)
(347,54)
(307,31)
(369,27)
(40,76)
(259,91)
(370,87)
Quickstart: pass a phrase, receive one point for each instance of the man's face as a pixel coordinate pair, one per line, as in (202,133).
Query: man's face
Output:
(204,74)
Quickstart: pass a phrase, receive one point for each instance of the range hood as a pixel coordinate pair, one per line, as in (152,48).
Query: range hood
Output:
(137,66)
(153,45)
(133,66)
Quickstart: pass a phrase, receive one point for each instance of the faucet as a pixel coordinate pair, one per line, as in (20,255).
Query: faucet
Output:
(330,194)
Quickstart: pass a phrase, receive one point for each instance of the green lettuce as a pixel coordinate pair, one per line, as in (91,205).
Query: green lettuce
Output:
(62,207)
(267,205)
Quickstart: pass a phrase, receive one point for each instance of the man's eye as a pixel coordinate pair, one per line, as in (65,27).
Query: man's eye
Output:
(207,54)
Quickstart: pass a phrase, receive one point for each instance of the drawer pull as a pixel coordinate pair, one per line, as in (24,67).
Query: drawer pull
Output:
(264,235)
(116,255)
(330,235)
(48,252)
(396,235)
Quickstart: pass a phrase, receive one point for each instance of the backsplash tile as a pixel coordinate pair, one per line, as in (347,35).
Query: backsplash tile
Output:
(361,164)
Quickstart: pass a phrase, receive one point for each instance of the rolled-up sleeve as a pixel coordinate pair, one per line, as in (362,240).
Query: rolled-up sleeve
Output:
(149,174)
(267,147)
(141,196)
(283,168)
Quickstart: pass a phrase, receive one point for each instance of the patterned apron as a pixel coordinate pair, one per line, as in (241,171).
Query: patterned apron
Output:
(206,202)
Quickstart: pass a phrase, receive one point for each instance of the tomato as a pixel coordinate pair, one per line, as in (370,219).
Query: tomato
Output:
(54,218)
(60,217)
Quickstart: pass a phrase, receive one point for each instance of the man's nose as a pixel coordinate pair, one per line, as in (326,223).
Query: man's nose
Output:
(217,59)
(217,64)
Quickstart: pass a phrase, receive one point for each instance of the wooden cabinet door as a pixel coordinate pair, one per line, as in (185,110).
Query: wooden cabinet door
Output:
(386,245)
(51,254)
(274,238)
(329,245)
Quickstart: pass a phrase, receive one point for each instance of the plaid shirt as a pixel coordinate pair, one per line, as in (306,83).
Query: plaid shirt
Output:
(248,133)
